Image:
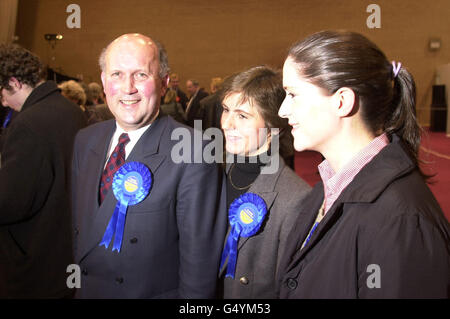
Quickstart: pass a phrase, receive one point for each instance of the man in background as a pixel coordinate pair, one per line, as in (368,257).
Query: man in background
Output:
(193,109)
(35,241)
(174,84)
(96,92)
(212,105)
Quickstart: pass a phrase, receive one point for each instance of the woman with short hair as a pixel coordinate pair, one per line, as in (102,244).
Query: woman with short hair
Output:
(263,194)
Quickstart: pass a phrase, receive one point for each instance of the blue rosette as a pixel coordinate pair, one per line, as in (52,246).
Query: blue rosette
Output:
(131,185)
(246,215)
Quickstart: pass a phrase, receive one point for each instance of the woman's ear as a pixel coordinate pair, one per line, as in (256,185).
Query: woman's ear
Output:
(344,101)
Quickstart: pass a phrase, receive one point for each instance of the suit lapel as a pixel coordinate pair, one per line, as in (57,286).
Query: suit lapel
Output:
(96,159)
(324,226)
(306,220)
(264,186)
(146,150)
(302,226)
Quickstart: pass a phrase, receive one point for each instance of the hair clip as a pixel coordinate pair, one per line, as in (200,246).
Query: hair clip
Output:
(396,68)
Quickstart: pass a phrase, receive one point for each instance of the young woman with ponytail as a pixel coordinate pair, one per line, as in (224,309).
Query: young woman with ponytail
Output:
(371,228)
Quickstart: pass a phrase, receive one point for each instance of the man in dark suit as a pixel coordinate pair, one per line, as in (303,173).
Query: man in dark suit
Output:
(172,239)
(193,109)
(174,84)
(35,241)
(211,105)
(99,112)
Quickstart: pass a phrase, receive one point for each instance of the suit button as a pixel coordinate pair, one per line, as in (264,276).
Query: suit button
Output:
(119,280)
(133,240)
(243,280)
(84,271)
(76,231)
(291,283)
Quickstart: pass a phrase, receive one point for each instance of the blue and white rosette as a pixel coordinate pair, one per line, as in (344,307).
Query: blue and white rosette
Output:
(245,215)
(131,184)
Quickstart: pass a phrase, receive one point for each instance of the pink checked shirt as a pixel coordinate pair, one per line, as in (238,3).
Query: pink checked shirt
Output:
(334,183)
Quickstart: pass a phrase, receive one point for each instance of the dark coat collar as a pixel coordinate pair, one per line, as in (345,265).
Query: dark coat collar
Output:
(390,164)
(39,93)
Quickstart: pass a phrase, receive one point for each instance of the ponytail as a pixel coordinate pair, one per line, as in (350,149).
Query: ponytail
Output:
(403,121)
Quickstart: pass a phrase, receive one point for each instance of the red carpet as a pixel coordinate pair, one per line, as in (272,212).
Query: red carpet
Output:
(434,152)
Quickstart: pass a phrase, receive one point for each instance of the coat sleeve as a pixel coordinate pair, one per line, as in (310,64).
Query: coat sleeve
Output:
(406,258)
(26,174)
(202,223)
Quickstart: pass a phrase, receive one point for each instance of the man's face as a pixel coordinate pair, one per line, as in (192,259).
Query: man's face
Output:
(191,88)
(12,97)
(174,82)
(131,80)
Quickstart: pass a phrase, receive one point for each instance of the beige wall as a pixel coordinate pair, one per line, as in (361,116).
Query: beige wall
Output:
(208,38)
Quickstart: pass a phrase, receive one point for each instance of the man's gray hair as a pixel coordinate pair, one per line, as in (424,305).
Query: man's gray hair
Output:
(163,59)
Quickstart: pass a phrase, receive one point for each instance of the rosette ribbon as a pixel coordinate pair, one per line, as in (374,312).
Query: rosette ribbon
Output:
(7,119)
(245,215)
(131,184)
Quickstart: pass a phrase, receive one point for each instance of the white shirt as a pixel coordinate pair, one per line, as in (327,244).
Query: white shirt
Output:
(134,138)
